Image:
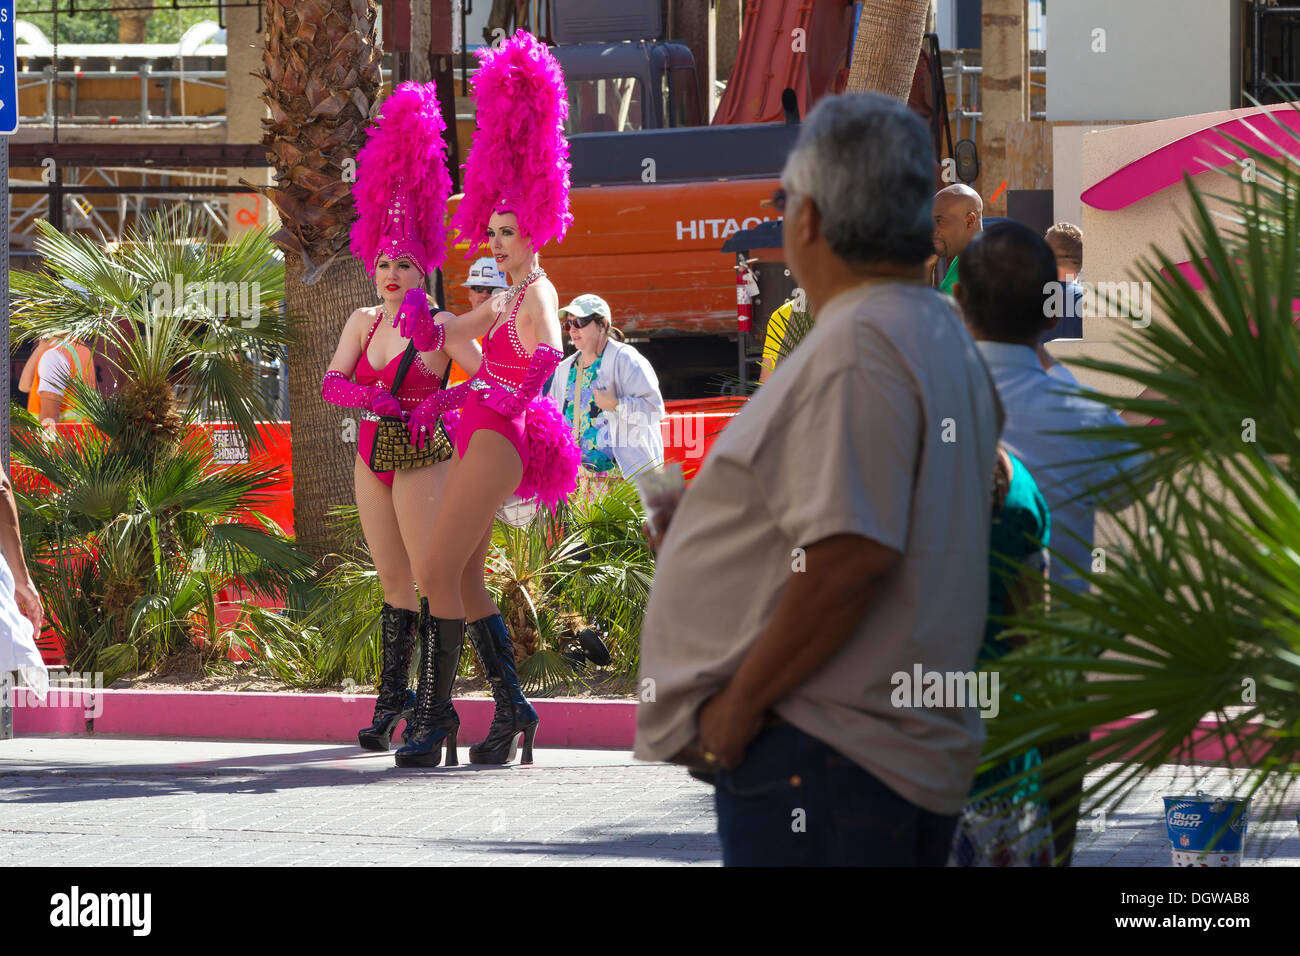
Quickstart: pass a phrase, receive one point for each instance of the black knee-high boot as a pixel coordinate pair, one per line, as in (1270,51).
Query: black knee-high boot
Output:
(436,722)
(396,700)
(514,715)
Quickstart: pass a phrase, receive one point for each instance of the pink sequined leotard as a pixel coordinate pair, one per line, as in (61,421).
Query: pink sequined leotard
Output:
(417,385)
(505,362)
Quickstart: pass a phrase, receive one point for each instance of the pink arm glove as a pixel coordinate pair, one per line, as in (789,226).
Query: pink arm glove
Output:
(540,367)
(424,417)
(338,389)
(415,322)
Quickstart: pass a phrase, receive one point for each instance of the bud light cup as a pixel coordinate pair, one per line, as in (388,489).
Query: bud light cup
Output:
(1205,830)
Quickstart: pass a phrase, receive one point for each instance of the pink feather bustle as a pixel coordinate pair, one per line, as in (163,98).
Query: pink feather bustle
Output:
(551,474)
(404,160)
(519,161)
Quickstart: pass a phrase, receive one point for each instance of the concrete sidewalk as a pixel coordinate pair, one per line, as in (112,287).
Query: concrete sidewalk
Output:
(85,801)
(88,801)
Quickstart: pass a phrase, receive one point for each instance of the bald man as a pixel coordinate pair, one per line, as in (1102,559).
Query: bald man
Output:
(958,218)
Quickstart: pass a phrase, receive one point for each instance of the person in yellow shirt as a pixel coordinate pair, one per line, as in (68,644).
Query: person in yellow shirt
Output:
(783,322)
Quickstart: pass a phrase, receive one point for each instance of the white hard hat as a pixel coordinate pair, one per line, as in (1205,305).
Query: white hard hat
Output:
(484,272)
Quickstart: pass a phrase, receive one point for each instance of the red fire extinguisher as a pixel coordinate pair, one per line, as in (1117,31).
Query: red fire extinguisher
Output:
(744,306)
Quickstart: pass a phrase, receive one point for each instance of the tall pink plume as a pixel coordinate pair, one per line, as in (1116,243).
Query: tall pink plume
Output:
(405,157)
(520,153)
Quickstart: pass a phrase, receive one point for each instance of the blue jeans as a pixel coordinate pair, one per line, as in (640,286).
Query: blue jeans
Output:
(797,802)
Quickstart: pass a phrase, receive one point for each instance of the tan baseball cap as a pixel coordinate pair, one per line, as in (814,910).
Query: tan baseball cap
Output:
(585,305)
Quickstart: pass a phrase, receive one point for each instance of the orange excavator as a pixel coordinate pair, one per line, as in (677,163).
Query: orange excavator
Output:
(655,195)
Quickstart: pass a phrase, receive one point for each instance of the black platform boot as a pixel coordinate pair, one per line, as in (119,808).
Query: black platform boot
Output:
(514,715)
(396,700)
(436,721)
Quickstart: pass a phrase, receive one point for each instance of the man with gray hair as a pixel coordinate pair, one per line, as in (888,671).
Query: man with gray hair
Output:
(834,545)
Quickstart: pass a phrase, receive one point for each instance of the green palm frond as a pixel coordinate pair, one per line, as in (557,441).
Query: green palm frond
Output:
(345,522)
(547,674)
(263,560)
(54,309)
(281,646)
(348,618)
(185,481)
(90,481)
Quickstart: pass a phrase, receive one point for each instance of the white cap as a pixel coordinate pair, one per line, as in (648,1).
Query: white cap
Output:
(585,305)
(484,272)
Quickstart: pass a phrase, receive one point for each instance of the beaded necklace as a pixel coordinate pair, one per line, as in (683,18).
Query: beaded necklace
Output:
(525,282)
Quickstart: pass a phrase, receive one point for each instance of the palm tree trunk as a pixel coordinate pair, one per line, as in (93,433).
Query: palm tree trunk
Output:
(421,26)
(321,69)
(324,436)
(887,47)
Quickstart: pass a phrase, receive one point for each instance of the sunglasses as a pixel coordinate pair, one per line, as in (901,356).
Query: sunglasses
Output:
(580,323)
(482,289)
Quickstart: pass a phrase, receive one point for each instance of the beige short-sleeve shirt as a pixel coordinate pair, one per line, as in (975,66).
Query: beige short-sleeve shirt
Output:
(884,423)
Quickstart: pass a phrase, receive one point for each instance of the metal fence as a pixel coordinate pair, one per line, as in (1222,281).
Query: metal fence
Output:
(144,73)
(963,78)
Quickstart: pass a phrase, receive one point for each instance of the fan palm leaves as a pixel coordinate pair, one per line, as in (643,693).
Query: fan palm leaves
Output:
(176,306)
(125,552)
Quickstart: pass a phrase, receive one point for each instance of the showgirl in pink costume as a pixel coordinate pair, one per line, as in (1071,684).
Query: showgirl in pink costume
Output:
(401,196)
(509,438)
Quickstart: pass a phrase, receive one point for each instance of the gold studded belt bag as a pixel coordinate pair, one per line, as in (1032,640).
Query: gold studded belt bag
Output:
(392,450)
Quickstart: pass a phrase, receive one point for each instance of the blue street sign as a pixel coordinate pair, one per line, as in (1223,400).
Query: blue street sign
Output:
(8,70)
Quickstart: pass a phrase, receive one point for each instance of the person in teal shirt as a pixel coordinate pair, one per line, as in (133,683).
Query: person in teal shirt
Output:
(958,218)
(986,834)
(597,456)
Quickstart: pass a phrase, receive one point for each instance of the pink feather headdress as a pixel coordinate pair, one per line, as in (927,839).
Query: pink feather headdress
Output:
(402,182)
(519,161)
